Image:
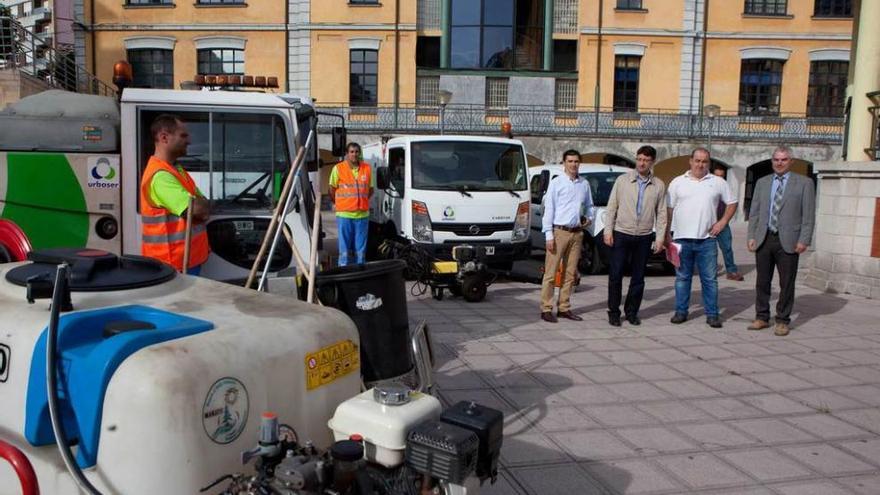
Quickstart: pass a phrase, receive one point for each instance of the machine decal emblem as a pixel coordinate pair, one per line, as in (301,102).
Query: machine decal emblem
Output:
(368,302)
(225,412)
(448,213)
(4,362)
(330,363)
(474,229)
(103,172)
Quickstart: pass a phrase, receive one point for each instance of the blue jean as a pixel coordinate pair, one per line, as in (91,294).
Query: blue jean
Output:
(725,242)
(352,235)
(701,254)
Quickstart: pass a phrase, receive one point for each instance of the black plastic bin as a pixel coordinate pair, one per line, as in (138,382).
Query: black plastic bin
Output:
(374,296)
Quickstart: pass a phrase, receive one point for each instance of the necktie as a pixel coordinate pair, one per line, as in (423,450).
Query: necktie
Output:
(777,205)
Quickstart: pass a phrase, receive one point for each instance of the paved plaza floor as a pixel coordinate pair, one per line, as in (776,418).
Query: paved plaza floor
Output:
(662,408)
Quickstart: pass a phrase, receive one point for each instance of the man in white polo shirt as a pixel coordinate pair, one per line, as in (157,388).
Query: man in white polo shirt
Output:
(692,200)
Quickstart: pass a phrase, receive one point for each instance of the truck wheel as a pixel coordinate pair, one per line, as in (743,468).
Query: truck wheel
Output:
(591,261)
(473,289)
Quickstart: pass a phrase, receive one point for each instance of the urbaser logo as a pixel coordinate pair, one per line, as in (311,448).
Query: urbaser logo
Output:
(103,173)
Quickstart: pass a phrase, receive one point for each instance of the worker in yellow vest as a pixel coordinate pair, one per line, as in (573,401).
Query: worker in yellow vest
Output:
(351,186)
(165,193)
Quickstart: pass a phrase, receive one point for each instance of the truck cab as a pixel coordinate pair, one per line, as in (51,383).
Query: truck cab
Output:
(443,191)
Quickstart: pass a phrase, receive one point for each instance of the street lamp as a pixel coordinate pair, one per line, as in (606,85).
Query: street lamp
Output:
(445,97)
(711,111)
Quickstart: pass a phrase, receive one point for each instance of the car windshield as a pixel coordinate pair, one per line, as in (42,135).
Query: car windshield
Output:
(468,166)
(600,185)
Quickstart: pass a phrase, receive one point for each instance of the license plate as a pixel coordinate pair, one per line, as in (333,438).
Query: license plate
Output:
(244,225)
(490,250)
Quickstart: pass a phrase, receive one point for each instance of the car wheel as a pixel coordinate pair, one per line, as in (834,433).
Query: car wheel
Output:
(591,260)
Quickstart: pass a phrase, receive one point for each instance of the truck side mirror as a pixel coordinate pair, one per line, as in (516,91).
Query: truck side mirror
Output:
(383,178)
(544,183)
(339,141)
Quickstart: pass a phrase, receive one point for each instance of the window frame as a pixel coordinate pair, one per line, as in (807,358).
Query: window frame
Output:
(199,62)
(758,91)
(820,92)
(629,5)
(765,7)
(515,30)
(492,109)
(220,3)
(149,3)
(624,101)
(828,6)
(352,102)
(153,75)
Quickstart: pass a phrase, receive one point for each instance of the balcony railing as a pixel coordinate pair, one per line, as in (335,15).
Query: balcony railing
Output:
(23,50)
(874,150)
(576,122)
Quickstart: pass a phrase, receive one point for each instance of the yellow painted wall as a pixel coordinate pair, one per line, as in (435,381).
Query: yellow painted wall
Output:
(723,62)
(727,16)
(263,54)
(186,12)
(341,12)
(661,14)
(330,65)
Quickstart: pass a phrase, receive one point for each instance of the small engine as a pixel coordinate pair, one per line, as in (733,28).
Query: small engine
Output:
(390,441)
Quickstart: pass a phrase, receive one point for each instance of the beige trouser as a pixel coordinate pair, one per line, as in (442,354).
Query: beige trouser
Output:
(568,250)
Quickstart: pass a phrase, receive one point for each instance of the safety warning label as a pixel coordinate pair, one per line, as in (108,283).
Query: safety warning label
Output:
(332,362)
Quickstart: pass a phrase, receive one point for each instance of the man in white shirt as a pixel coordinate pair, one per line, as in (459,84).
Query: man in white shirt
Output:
(692,201)
(568,207)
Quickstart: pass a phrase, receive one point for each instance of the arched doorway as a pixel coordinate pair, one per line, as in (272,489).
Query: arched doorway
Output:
(607,159)
(670,168)
(765,167)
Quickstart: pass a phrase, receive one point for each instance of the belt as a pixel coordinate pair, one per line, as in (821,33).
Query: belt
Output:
(568,229)
(770,232)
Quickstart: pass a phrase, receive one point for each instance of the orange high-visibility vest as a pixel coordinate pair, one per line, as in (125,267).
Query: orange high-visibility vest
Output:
(353,193)
(164,233)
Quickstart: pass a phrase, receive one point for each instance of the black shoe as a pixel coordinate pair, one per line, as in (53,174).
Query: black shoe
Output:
(569,315)
(713,321)
(679,318)
(548,317)
(614,320)
(634,320)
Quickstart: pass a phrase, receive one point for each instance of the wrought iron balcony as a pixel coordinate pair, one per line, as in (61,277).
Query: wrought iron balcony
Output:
(577,122)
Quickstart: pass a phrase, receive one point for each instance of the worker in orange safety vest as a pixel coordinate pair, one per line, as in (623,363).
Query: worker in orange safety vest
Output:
(351,186)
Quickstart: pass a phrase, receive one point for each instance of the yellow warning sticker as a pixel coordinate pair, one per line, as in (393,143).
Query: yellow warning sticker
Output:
(334,361)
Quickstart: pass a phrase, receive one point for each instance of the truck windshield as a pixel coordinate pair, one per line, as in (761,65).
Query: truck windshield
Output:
(600,186)
(468,165)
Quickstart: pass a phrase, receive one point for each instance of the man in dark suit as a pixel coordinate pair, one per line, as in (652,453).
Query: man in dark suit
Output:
(781,222)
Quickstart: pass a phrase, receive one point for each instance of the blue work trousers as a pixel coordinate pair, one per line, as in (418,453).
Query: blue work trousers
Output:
(701,254)
(352,233)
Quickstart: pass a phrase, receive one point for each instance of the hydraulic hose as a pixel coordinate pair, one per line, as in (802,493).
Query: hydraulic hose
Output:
(61,282)
(22,467)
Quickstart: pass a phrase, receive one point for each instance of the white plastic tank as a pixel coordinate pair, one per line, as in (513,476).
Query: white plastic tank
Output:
(177,414)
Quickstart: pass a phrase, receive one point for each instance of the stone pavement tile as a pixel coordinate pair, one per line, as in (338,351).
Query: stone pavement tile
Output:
(637,477)
(698,369)
(708,352)
(823,359)
(776,404)
(817,487)
(483,397)
(653,371)
(679,340)
(619,415)
(589,395)
(865,374)
(582,358)
(488,362)
(515,378)
(780,381)
(824,344)
(824,400)
(783,362)
(826,378)
(640,343)
(458,379)
(686,389)
(559,377)
(592,445)
(725,408)
(786,346)
(858,342)
(530,397)
(858,356)
(742,365)
(666,355)
(751,490)
(557,418)
(556,346)
(712,436)
(536,360)
(700,471)
(747,349)
(625,357)
(503,485)
(826,427)
(868,449)
(638,391)
(717,338)
(530,333)
(771,431)
(868,419)
(862,485)
(516,347)
(673,412)
(529,449)
(766,465)
(597,345)
(654,440)
(566,479)
(734,385)
(608,374)
(828,460)
(869,394)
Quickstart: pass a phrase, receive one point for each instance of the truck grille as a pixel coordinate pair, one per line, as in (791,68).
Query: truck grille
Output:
(472,229)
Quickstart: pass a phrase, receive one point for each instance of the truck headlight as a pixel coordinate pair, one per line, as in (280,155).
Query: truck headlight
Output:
(421,223)
(521,224)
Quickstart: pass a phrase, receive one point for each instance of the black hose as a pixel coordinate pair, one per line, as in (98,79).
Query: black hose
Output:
(52,383)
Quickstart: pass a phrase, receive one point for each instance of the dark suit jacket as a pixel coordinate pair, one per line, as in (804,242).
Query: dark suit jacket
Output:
(796,217)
